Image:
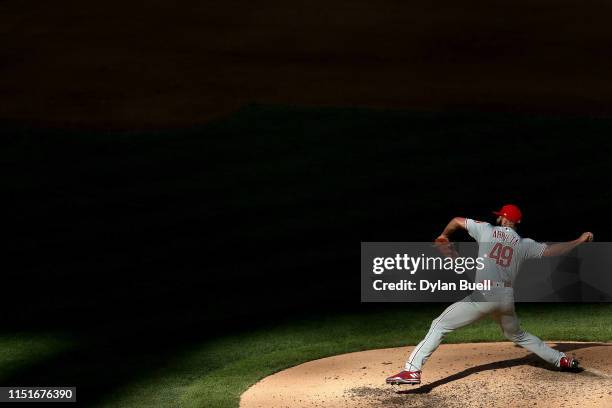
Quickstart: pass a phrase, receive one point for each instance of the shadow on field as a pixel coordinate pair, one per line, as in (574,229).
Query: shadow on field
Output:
(530,359)
(101,364)
(114,356)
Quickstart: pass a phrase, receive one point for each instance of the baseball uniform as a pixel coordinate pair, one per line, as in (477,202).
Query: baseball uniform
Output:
(503,251)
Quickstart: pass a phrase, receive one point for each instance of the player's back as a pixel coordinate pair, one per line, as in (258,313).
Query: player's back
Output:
(503,250)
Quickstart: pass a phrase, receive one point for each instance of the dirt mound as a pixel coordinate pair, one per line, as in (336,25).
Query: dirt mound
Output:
(457,375)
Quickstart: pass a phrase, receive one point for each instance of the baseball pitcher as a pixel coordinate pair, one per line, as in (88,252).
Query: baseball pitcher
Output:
(503,251)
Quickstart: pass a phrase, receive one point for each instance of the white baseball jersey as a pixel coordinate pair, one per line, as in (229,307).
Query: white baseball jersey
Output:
(502,249)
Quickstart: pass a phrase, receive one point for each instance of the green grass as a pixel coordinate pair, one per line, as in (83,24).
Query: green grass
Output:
(19,350)
(216,373)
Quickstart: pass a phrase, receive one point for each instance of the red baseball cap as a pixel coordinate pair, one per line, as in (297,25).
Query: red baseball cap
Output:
(511,212)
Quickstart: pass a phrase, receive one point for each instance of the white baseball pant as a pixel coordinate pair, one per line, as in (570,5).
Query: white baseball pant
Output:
(500,306)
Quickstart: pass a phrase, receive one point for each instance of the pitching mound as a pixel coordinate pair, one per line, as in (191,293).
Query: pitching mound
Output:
(457,375)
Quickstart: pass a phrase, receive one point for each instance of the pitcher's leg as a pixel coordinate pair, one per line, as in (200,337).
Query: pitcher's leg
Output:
(510,325)
(455,316)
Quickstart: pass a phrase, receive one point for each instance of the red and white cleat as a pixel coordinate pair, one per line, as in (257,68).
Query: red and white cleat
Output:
(405,377)
(569,364)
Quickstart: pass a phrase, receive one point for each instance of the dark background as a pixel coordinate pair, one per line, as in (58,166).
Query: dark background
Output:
(261,214)
(173,171)
(134,63)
